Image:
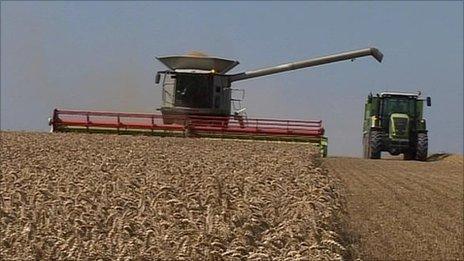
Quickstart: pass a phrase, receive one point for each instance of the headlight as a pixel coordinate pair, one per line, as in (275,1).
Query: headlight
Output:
(375,121)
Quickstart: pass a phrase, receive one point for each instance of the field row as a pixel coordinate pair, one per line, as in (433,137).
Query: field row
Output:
(401,210)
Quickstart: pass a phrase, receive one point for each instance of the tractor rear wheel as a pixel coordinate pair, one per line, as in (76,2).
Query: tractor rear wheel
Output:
(365,144)
(422,146)
(375,144)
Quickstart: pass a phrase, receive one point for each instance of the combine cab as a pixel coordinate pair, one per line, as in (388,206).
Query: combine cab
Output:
(393,122)
(198,101)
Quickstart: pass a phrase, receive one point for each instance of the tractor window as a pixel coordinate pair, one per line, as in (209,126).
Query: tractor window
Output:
(398,105)
(194,91)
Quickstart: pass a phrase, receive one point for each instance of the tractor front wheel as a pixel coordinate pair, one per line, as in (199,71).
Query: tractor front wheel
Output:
(422,146)
(375,144)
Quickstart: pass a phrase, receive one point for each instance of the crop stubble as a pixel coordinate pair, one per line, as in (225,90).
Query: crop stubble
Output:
(403,210)
(85,196)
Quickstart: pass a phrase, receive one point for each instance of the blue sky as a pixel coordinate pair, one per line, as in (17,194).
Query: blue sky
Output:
(100,56)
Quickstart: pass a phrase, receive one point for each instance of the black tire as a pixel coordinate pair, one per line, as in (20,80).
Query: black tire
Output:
(324,154)
(422,146)
(365,144)
(375,145)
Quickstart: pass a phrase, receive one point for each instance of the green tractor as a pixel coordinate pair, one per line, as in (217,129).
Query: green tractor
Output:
(393,122)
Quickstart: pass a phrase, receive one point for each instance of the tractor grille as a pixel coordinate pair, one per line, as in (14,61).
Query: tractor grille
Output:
(401,126)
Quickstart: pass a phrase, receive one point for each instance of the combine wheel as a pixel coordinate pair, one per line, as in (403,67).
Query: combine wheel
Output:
(324,151)
(422,146)
(323,144)
(375,143)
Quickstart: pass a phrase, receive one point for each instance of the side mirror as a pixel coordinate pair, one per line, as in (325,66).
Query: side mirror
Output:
(429,101)
(157,78)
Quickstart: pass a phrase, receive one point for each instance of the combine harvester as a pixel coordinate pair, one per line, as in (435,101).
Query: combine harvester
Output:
(198,101)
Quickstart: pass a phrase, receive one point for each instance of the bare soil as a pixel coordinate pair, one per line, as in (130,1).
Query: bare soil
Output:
(402,210)
(109,197)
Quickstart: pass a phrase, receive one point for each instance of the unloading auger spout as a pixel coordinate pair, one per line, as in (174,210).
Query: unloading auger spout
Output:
(309,63)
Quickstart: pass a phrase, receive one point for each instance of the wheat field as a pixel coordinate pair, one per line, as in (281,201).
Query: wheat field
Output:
(110,197)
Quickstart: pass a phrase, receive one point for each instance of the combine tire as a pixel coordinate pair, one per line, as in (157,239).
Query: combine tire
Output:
(422,146)
(375,143)
(324,151)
